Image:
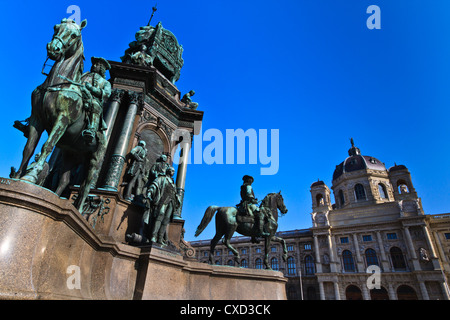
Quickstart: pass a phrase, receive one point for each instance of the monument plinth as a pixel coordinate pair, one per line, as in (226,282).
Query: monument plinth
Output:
(48,250)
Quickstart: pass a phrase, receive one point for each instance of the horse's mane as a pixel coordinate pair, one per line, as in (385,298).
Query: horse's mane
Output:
(265,201)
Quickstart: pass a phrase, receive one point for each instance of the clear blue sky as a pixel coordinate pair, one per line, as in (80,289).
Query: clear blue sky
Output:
(311,69)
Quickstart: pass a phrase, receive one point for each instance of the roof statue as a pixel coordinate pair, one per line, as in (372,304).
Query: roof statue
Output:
(157,47)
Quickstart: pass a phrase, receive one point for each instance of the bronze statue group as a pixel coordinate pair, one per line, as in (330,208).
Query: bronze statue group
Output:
(155,188)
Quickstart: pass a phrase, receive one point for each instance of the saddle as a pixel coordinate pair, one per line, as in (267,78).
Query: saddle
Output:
(244,219)
(243,215)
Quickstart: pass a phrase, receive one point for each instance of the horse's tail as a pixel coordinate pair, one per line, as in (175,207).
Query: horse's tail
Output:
(209,214)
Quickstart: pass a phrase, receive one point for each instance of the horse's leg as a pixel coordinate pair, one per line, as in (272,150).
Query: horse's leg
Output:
(266,252)
(227,239)
(57,132)
(92,174)
(283,244)
(64,174)
(214,242)
(35,132)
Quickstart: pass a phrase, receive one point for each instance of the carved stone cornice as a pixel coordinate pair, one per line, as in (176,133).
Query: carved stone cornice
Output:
(159,93)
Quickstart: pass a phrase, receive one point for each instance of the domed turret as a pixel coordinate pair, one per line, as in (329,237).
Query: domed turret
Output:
(356,162)
(402,182)
(361,180)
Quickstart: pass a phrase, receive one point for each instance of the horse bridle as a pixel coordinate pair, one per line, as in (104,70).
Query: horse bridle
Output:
(54,88)
(64,46)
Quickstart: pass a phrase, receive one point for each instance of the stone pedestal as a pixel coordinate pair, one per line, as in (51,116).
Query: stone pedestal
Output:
(48,250)
(167,276)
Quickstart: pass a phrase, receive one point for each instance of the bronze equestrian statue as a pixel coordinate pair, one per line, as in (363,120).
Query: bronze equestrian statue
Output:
(231,219)
(58,107)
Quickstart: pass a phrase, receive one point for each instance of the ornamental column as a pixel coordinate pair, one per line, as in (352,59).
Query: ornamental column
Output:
(185,146)
(358,254)
(423,290)
(412,251)
(365,292)
(442,255)
(111,113)
(430,244)
(321,291)
(336,290)
(445,290)
(120,151)
(384,260)
(333,254)
(391,291)
(317,254)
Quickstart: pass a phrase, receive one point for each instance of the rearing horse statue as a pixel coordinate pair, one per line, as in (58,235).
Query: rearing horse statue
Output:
(57,107)
(227,222)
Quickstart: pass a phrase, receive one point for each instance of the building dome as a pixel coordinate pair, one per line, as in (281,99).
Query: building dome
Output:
(397,168)
(356,162)
(317,183)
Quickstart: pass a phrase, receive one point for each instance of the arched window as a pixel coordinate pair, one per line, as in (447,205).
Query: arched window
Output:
(341,198)
(371,257)
(402,186)
(258,263)
(319,200)
(347,258)
(398,260)
(379,294)
(291,266)
(382,191)
(309,265)
(405,292)
(291,293)
(274,263)
(244,263)
(360,193)
(311,293)
(352,292)
(230,263)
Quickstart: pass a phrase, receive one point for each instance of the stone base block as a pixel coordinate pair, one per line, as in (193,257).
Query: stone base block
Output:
(48,250)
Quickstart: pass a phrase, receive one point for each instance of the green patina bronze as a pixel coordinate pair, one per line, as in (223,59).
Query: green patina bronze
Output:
(161,202)
(247,219)
(61,106)
(158,47)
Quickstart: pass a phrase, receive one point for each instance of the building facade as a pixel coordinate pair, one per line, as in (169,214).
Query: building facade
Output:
(374,243)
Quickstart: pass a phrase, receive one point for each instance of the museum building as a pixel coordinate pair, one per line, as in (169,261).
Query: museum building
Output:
(374,243)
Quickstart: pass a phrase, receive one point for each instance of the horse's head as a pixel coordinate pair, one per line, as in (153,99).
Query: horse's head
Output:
(274,202)
(280,203)
(66,35)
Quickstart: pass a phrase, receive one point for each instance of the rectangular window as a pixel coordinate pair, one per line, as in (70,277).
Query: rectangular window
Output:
(344,239)
(258,250)
(273,249)
(447,235)
(308,246)
(391,236)
(290,247)
(367,237)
